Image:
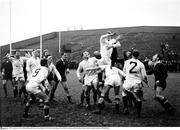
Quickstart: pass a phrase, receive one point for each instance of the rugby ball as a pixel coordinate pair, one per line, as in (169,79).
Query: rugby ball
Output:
(97,55)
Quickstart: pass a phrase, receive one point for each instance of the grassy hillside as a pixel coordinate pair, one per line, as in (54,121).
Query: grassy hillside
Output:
(146,38)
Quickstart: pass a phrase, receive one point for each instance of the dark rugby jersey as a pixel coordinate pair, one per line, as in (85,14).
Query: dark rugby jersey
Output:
(61,66)
(7,66)
(160,72)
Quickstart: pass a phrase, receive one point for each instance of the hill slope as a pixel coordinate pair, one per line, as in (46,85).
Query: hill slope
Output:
(145,38)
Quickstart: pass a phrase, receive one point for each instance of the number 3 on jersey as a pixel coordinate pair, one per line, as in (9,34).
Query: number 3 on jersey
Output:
(36,72)
(132,69)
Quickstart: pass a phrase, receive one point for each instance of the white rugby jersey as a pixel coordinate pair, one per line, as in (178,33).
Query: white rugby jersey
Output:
(134,70)
(17,66)
(31,64)
(85,65)
(39,74)
(52,68)
(104,50)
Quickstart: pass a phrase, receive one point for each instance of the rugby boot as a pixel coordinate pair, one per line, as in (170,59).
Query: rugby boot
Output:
(5,90)
(48,118)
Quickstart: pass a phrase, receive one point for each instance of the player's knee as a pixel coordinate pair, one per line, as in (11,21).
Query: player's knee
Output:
(46,103)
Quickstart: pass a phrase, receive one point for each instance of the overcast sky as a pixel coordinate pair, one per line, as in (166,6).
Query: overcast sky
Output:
(59,15)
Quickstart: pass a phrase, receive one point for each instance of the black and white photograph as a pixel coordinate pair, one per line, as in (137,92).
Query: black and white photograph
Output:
(89,64)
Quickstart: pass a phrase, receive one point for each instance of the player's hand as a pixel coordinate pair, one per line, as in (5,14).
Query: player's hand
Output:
(67,71)
(157,82)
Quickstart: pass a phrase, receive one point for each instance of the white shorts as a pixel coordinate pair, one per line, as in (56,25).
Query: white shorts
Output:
(132,85)
(90,80)
(33,87)
(106,60)
(113,80)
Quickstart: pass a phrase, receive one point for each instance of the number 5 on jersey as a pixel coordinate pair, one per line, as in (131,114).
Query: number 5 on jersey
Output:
(36,72)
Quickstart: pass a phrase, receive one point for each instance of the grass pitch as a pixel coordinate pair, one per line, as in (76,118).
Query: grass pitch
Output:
(70,115)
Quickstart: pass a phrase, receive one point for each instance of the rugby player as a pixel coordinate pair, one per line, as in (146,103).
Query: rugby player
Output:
(135,74)
(90,78)
(113,79)
(32,63)
(53,71)
(6,71)
(38,85)
(62,67)
(18,75)
(160,74)
(107,43)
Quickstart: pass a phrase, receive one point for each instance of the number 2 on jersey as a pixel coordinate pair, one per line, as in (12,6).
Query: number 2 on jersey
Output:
(134,65)
(36,72)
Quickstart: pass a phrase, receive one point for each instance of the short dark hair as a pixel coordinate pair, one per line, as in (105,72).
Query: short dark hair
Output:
(47,56)
(135,53)
(62,53)
(44,62)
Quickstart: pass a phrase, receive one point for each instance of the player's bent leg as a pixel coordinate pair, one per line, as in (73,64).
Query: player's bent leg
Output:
(101,99)
(4,87)
(45,98)
(64,84)
(125,102)
(87,95)
(52,92)
(94,94)
(28,104)
(117,98)
(15,87)
(107,95)
(138,96)
(162,100)
(82,98)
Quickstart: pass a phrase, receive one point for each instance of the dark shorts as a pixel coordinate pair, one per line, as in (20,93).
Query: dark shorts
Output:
(162,84)
(7,77)
(64,79)
(50,77)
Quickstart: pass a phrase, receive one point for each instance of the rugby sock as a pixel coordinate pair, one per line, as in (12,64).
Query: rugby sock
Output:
(27,107)
(46,111)
(15,91)
(117,100)
(167,106)
(125,101)
(164,103)
(130,101)
(69,99)
(95,98)
(88,99)
(82,97)
(5,89)
(100,106)
(20,92)
(139,107)
(98,93)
